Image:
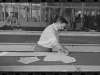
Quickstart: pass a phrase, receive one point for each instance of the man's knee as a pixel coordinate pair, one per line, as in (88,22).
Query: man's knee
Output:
(38,48)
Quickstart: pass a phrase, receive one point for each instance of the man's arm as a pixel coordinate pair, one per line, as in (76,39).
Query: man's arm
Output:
(60,48)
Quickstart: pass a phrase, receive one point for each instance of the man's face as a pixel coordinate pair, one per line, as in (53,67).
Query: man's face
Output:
(62,26)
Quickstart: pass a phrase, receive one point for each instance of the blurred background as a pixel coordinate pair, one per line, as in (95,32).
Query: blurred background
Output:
(36,16)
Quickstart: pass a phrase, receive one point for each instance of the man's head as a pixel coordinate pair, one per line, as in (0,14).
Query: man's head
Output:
(61,23)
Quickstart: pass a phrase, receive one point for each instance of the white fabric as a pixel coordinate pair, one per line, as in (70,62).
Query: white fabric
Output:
(60,57)
(49,37)
(3,53)
(27,60)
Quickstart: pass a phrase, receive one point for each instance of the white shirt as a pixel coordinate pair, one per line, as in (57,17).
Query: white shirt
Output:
(49,37)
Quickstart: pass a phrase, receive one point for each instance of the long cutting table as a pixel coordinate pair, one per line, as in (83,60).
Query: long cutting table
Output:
(88,61)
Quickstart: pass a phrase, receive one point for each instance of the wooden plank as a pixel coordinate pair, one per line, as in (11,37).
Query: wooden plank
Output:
(28,53)
(65,33)
(87,68)
(18,47)
(48,68)
(51,68)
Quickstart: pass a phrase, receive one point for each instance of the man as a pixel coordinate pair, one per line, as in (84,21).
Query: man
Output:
(98,21)
(92,24)
(49,39)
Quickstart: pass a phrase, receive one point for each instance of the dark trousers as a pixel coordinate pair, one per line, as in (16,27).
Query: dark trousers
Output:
(39,48)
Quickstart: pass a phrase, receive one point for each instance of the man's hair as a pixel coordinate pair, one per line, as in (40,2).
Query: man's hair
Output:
(61,19)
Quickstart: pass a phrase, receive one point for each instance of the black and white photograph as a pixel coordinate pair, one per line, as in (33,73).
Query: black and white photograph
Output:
(57,37)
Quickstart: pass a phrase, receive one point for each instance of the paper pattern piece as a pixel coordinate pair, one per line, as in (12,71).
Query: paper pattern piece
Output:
(27,60)
(60,57)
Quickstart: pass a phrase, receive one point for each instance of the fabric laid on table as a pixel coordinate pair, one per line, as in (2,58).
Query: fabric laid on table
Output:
(28,60)
(60,57)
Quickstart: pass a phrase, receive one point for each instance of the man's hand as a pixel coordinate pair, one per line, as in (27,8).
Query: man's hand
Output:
(64,51)
(61,49)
